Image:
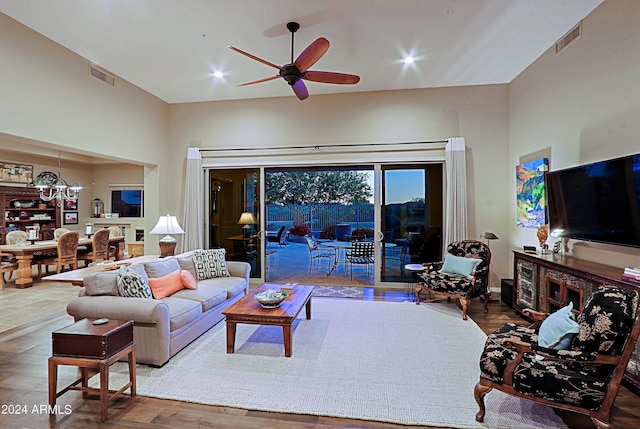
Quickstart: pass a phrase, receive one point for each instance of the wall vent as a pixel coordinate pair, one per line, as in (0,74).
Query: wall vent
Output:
(99,74)
(569,38)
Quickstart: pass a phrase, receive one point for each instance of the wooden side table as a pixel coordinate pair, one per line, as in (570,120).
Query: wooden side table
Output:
(97,347)
(135,248)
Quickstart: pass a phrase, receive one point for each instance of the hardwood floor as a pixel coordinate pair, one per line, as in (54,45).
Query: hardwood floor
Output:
(23,390)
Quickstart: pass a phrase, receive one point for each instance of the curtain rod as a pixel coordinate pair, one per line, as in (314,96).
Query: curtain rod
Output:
(317,147)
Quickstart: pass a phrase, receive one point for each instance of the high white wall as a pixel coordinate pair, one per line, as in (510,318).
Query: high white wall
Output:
(581,106)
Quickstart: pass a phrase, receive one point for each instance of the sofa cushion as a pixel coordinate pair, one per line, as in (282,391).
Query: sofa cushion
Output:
(161,267)
(232,285)
(101,283)
(210,263)
(166,285)
(133,282)
(181,311)
(207,295)
(185,260)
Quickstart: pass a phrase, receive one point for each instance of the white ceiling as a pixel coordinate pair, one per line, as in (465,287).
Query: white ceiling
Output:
(170,48)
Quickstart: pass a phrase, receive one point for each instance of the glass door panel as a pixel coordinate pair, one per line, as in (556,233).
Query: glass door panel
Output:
(234,215)
(411,214)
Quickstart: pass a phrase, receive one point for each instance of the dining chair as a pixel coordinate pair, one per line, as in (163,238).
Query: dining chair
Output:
(114,231)
(59,231)
(99,248)
(67,253)
(8,259)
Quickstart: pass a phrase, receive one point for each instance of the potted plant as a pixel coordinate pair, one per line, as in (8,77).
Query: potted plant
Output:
(297,233)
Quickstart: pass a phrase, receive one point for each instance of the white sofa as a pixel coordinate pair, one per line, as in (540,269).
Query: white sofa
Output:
(163,327)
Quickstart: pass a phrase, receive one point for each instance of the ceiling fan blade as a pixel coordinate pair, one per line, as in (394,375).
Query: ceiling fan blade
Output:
(266,79)
(300,89)
(331,77)
(253,57)
(312,54)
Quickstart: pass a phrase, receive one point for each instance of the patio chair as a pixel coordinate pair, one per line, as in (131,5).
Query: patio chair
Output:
(277,237)
(361,253)
(583,375)
(318,252)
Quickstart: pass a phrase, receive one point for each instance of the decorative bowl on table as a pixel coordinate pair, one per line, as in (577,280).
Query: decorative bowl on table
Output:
(271,298)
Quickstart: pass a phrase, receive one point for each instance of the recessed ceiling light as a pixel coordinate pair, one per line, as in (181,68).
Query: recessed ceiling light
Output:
(409,60)
(218,74)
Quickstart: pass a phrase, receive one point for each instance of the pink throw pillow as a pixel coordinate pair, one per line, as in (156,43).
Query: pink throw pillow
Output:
(166,285)
(188,280)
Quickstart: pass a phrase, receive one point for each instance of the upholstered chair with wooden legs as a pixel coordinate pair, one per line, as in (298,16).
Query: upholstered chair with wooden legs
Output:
(463,274)
(585,377)
(67,253)
(99,248)
(59,231)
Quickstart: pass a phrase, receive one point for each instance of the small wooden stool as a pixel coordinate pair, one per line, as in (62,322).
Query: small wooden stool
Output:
(90,346)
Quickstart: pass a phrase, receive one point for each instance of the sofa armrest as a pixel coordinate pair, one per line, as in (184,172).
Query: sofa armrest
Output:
(240,269)
(140,310)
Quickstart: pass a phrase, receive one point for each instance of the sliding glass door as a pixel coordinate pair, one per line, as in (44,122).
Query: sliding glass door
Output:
(262,215)
(233,219)
(411,213)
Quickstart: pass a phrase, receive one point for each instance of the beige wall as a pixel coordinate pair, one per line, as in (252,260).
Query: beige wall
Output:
(49,98)
(581,106)
(478,113)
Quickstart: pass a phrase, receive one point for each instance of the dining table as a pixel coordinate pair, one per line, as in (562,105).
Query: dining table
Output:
(24,254)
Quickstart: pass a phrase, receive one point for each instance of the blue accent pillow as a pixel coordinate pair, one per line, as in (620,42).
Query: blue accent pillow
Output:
(459,265)
(557,330)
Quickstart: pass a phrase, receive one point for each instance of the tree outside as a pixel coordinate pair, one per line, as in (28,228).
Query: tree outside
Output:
(305,192)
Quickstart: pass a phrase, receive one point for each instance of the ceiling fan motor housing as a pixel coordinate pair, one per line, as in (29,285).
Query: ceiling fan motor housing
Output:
(290,73)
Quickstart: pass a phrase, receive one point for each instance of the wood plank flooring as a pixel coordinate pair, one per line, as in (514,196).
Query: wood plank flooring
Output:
(23,390)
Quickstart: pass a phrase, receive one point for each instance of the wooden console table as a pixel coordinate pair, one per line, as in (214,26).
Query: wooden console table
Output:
(547,282)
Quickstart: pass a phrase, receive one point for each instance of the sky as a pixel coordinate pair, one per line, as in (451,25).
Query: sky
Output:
(402,186)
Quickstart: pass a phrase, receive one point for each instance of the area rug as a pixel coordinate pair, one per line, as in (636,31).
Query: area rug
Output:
(382,361)
(339,291)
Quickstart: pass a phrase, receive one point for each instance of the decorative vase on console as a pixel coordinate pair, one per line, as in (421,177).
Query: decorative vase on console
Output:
(543,234)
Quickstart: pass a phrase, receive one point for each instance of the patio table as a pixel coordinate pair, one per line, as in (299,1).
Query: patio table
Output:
(341,247)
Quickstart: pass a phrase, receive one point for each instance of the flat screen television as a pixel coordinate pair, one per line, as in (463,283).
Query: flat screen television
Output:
(597,202)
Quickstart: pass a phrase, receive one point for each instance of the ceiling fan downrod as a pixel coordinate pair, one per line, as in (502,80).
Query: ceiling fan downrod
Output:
(292,27)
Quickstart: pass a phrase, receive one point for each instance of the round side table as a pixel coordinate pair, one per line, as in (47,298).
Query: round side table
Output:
(414,269)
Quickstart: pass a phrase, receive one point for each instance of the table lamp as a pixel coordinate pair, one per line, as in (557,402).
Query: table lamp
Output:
(247,220)
(167,225)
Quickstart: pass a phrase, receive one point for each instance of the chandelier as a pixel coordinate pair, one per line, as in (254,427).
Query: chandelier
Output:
(55,187)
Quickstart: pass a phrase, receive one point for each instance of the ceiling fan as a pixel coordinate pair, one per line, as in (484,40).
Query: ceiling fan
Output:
(298,70)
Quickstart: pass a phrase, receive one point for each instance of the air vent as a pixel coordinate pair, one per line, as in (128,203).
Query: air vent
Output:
(569,38)
(99,74)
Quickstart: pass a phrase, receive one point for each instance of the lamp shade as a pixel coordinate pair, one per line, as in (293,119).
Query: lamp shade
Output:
(490,236)
(246,218)
(167,225)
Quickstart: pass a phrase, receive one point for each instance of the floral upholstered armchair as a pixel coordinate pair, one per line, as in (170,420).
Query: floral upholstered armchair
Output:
(582,373)
(463,274)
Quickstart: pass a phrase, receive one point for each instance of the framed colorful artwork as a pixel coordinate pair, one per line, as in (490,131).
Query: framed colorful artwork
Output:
(531,195)
(71,205)
(70,218)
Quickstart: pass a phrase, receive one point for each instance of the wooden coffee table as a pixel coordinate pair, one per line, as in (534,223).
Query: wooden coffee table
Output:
(249,310)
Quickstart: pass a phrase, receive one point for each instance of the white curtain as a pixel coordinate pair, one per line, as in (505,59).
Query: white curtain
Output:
(193,202)
(456,191)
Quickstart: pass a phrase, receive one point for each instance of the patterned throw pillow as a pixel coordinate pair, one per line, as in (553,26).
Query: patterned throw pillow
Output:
(210,263)
(132,283)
